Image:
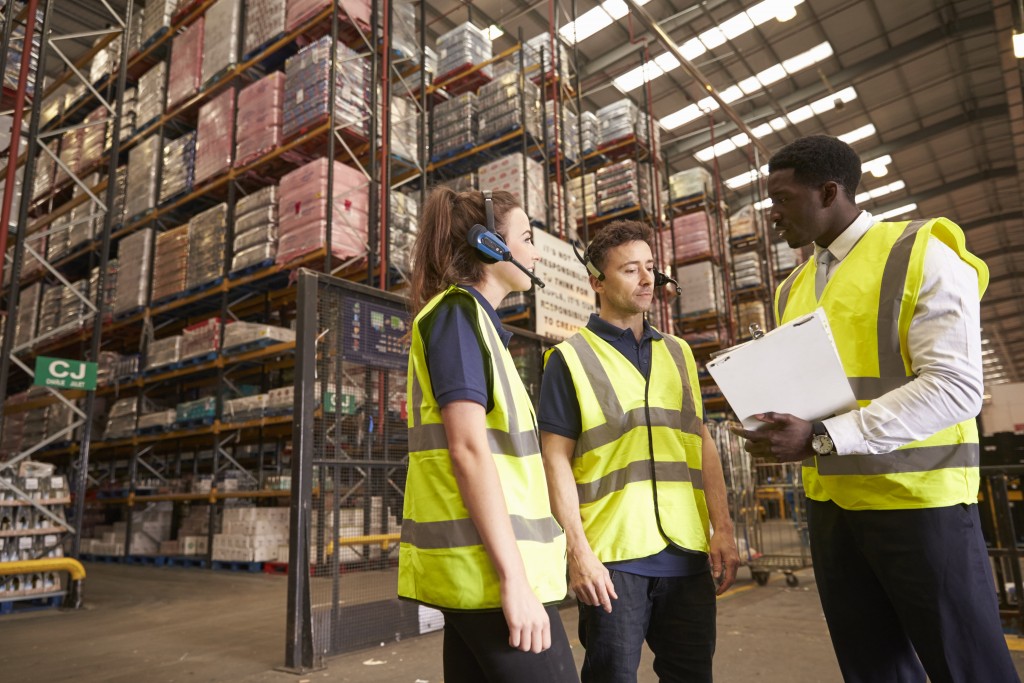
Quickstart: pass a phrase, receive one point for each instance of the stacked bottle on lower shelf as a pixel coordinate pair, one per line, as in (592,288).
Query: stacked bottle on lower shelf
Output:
(31,533)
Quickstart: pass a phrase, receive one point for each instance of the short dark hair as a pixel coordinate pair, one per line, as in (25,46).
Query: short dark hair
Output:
(818,159)
(614,234)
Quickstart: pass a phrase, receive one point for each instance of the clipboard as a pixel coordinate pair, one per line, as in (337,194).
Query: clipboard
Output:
(793,369)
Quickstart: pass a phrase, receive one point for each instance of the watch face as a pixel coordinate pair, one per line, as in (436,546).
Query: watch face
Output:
(822,444)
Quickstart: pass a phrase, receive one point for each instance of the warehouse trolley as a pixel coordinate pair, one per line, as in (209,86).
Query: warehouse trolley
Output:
(777,535)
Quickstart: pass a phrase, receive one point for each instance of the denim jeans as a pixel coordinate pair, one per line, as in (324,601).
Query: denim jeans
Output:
(676,616)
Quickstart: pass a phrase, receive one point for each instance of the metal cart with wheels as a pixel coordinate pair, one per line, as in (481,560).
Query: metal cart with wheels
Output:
(778,536)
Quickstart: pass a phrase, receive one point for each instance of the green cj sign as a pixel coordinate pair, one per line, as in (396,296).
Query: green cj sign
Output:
(61,373)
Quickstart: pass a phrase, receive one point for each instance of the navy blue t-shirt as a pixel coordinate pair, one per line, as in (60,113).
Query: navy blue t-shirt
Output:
(559,413)
(456,366)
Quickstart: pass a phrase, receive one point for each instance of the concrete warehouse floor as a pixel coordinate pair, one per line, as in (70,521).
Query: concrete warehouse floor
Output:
(164,625)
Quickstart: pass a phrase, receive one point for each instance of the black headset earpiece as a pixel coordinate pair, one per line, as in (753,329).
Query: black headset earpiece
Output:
(587,263)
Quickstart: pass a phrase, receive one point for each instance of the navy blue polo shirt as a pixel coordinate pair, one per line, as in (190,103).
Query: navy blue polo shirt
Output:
(454,361)
(559,413)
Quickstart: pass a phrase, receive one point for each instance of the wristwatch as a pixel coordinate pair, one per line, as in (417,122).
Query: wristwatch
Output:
(821,442)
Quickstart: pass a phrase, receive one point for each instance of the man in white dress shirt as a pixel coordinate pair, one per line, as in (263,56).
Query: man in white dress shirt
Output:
(892,487)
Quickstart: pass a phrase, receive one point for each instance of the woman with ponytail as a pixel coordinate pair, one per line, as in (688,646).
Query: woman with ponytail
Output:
(479,541)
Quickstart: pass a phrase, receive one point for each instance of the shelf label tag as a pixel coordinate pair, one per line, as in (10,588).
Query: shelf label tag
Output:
(62,373)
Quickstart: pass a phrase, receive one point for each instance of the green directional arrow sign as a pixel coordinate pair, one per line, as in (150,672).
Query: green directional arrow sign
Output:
(62,373)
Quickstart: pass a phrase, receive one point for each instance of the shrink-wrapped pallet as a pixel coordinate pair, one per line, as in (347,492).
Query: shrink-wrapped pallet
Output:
(94,137)
(303,211)
(49,310)
(300,11)
(260,117)
(264,22)
(462,47)
(221,38)
(156,18)
(178,175)
(141,180)
(243,333)
(27,314)
(306,89)
(170,263)
(163,352)
(700,285)
(506,174)
(133,254)
(186,70)
(742,225)
(207,232)
(747,271)
(149,96)
(57,240)
(692,237)
(214,142)
(689,182)
(455,125)
(200,339)
(749,313)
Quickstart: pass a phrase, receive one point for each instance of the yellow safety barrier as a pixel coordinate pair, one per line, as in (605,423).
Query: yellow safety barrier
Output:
(73,567)
(383,540)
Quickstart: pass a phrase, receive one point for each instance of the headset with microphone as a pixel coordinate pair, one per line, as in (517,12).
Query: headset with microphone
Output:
(490,247)
(660,278)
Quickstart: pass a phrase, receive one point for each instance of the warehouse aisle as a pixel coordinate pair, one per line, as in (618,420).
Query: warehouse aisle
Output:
(175,625)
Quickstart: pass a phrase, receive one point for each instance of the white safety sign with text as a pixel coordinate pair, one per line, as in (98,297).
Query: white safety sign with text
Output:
(564,305)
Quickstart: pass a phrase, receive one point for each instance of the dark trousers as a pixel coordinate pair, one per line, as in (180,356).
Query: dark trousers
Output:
(676,616)
(476,650)
(908,592)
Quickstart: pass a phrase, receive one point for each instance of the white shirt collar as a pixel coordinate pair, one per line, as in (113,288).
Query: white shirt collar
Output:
(847,240)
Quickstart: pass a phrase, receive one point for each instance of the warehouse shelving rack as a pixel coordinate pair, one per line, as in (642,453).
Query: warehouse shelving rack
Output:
(257,294)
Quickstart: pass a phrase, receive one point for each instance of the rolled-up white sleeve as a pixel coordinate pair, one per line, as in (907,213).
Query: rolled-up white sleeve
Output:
(944,341)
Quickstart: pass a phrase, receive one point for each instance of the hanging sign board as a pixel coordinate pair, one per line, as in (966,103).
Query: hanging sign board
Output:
(62,373)
(565,303)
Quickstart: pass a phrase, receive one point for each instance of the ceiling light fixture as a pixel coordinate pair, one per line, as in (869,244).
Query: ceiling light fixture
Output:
(899,211)
(1018,45)
(786,10)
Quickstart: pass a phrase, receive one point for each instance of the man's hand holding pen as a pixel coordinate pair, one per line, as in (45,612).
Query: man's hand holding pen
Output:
(784,438)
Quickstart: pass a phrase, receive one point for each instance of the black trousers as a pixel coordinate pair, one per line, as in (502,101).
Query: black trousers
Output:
(908,592)
(476,650)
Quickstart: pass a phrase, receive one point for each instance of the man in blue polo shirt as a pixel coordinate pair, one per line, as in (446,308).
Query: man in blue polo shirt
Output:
(634,477)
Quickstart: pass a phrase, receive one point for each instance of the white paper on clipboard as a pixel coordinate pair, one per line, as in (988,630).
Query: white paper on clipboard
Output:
(793,369)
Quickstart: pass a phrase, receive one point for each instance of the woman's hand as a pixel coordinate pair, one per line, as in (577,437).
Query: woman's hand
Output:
(529,628)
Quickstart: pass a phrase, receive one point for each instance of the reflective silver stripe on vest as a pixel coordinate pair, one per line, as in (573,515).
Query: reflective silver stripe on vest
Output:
(922,459)
(785,288)
(617,425)
(511,409)
(460,533)
(870,388)
(688,417)
(432,437)
(890,297)
(634,472)
(608,400)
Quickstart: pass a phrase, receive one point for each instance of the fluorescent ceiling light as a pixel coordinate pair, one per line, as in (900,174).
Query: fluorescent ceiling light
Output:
(899,211)
(880,191)
(493,32)
(877,167)
(748,86)
(776,124)
(596,19)
(772,9)
(786,11)
(1018,45)
(858,134)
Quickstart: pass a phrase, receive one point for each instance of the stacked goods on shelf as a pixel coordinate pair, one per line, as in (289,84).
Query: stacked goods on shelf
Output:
(455,126)
(94,137)
(404,220)
(40,533)
(113,367)
(689,183)
(157,421)
(221,38)
(121,420)
(620,120)
(150,95)
(306,89)
(245,408)
(202,410)
(749,313)
(27,313)
(57,240)
(178,175)
(352,523)
(60,422)
(185,73)
(568,127)
(151,526)
(256,224)
(507,173)
(141,178)
(301,10)
(404,31)
(133,271)
(163,352)
(742,225)
(170,264)
(19,175)
(214,143)
(201,339)
(746,270)
(109,288)
(590,130)
(15,50)
(701,287)
(70,154)
(251,534)
(584,191)
(194,530)
(37,242)
(156,19)
(49,310)
(303,211)
(241,334)
(264,22)
(693,238)
(120,196)
(207,235)
(104,61)
(539,48)
(622,185)
(86,217)
(72,307)
(126,127)
(259,118)
(785,258)
(280,401)
(502,103)
(46,170)
(461,48)
(405,129)
(135,31)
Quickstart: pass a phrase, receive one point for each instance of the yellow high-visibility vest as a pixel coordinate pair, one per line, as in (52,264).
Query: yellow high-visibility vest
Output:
(637,461)
(869,302)
(442,561)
